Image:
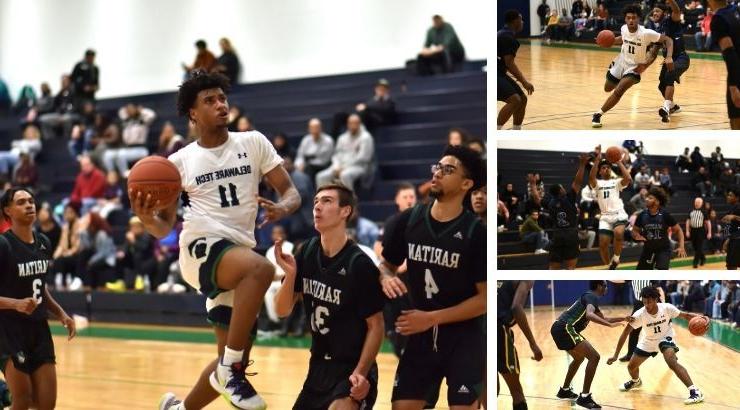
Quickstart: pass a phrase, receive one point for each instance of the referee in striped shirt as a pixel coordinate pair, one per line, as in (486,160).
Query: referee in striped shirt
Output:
(637,286)
(698,228)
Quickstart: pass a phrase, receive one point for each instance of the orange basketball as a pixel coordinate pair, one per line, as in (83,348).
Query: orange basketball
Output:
(605,38)
(157,176)
(614,154)
(699,325)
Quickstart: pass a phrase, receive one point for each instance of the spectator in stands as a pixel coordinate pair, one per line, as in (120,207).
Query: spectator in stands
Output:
(405,198)
(204,59)
(478,199)
(642,178)
(86,78)
(168,278)
(694,300)
(65,111)
(512,199)
(46,224)
(30,145)
(639,200)
(26,174)
(532,234)
(97,252)
(714,167)
(720,299)
(5,101)
(112,199)
(353,156)
(566,28)
(67,252)
(543,10)
(683,161)
(139,263)
(235,112)
(315,151)
(457,136)
(678,296)
(44,105)
(443,52)
(551,31)
(601,17)
(580,24)
(703,36)
(718,233)
(379,110)
(300,223)
(577,8)
(85,136)
(665,181)
(228,62)
(697,159)
(89,185)
(726,181)
(477,145)
(283,148)
(364,231)
(701,181)
(169,140)
(244,124)
(135,122)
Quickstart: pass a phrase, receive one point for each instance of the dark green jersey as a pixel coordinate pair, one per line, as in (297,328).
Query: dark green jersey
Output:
(339,294)
(576,313)
(23,270)
(505,291)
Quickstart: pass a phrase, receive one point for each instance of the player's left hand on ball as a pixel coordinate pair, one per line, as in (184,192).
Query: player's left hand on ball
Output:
(413,321)
(273,211)
(611,360)
(69,324)
(681,252)
(360,386)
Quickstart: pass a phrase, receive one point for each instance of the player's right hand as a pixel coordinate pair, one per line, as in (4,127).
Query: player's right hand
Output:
(611,360)
(536,352)
(528,86)
(286,261)
(142,205)
(393,287)
(597,150)
(27,305)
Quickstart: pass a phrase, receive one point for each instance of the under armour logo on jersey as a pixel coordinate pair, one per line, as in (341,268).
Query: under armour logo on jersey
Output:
(242,155)
(342,272)
(463,389)
(458,235)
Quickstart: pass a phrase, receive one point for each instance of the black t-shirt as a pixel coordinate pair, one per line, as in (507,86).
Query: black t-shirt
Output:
(339,293)
(564,211)
(726,23)
(23,270)
(505,291)
(507,45)
(576,313)
(672,29)
(445,260)
(655,228)
(53,234)
(733,229)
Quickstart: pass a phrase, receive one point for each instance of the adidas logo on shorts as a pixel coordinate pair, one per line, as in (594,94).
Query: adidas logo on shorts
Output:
(463,390)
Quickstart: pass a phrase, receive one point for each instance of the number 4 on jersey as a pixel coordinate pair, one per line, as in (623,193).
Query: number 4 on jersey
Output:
(430,287)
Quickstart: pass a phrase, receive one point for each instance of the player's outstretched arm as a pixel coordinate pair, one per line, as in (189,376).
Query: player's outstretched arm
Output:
(595,168)
(626,177)
(290,199)
(675,11)
(622,338)
(27,305)
(600,319)
(689,315)
(286,296)
(517,308)
(57,311)
(370,348)
(679,234)
(578,179)
(157,223)
(514,69)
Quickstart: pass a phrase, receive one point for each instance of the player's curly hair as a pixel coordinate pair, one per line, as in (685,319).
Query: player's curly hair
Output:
(471,160)
(199,80)
(510,16)
(632,9)
(7,200)
(659,194)
(650,292)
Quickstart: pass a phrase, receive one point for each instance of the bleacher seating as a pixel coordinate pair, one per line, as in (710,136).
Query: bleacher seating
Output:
(560,167)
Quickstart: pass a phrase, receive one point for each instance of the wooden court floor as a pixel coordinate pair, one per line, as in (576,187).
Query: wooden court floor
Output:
(569,87)
(712,367)
(96,373)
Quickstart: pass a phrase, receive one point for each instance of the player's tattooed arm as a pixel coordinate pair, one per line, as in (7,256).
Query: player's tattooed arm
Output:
(622,338)
(595,169)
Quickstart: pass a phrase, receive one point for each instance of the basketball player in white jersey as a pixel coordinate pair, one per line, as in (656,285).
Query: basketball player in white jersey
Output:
(220,174)
(624,71)
(613,216)
(657,336)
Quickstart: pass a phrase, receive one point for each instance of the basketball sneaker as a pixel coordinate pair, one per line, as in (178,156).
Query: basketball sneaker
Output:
(664,115)
(695,396)
(676,108)
(231,382)
(567,394)
(613,265)
(587,402)
(629,385)
(168,402)
(596,120)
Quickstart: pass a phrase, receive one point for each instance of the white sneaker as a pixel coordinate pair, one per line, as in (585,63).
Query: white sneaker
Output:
(231,383)
(168,401)
(540,251)
(76,284)
(695,396)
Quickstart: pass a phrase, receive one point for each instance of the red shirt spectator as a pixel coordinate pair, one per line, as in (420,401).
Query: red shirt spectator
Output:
(90,182)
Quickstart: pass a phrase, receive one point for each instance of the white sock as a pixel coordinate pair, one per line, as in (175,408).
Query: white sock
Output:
(499,127)
(231,356)
(180,406)
(667,104)
(693,387)
(516,127)
(636,380)
(585,394)
(615,258)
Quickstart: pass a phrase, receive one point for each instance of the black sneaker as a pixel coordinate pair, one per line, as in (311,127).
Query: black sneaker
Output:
(629,385)
(596,120)
(676,108)
(625,358)
(587,402)
(567,394)
(664,115)
(613,265)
